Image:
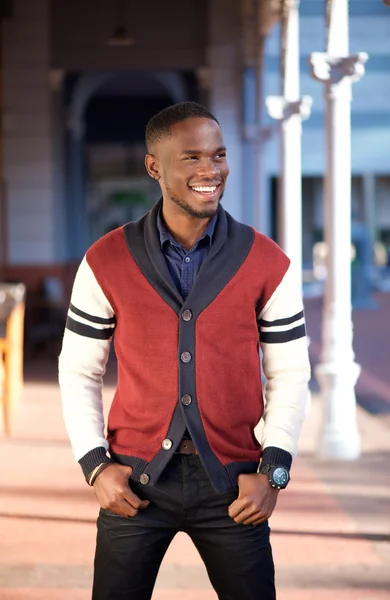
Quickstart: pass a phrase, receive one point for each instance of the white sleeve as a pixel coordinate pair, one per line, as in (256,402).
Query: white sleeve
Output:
(89,328)
(286,365)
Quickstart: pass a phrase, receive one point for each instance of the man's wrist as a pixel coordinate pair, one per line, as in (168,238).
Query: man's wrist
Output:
(276,456)
(93,459)
(92,477)
(276,464)
(277,475)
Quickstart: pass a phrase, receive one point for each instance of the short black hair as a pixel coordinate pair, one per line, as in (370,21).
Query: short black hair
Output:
(159,126)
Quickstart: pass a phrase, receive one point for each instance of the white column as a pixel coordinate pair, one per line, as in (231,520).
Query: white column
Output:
(290,109)
(338,372)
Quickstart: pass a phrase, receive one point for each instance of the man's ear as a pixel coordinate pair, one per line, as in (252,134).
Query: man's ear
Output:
(152,166)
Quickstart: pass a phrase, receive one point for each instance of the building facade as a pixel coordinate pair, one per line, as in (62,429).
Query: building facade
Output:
(74,108)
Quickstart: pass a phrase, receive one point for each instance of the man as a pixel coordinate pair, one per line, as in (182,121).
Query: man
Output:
(191,295)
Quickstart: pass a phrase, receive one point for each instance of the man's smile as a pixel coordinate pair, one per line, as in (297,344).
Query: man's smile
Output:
(206,191)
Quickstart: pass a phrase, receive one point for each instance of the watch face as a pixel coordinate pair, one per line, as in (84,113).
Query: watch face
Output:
(280,476)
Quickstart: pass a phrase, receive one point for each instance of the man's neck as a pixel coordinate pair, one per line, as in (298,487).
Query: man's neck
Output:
(186,230)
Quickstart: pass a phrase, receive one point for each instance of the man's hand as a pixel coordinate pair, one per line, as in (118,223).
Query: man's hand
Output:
(114,494)
(256,500)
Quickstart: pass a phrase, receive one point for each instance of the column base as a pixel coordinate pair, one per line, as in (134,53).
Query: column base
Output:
(339,436)
(339,444)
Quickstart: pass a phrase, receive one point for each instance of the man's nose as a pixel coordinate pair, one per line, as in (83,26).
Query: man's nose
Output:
(208,168)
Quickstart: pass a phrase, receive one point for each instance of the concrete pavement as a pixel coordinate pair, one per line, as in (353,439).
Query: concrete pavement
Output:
(330,531)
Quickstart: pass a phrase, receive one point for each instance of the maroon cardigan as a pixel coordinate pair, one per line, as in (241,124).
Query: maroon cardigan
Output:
(192,363)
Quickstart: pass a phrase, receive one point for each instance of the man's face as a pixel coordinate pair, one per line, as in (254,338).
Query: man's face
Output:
(191,167)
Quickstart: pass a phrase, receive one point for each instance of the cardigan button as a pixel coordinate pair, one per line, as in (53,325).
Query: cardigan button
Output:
(167,444)
(185,357)
(144,479)
(186,399)
(187,315)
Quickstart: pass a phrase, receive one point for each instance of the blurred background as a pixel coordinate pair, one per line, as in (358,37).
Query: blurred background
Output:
(309,168)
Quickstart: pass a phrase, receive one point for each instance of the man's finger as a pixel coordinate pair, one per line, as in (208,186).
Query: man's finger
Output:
(134,501)
(128,510)
(260,520)
(246,514)
(122,508)
(256,517)
(237,507)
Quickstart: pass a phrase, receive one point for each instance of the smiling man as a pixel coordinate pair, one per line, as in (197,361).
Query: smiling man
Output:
(191,295)
(179,164)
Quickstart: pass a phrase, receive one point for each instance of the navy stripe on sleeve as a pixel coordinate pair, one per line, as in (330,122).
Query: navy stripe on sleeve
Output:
(84,315)
(87,331)
(279,337)
(279,322)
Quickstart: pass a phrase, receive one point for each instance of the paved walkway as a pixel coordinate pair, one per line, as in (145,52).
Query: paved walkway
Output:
(331,529)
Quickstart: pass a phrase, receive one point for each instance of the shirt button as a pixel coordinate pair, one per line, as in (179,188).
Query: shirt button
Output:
(187,315)
(187,259)
(144,479)
(186,399)
(167,444)
(185,357)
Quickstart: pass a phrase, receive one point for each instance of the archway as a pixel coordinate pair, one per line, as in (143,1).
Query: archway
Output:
(107,184)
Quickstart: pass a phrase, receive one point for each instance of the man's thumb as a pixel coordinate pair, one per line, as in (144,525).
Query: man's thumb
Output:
(126,470)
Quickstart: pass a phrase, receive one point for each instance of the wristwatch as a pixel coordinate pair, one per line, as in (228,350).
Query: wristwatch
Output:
(278,476)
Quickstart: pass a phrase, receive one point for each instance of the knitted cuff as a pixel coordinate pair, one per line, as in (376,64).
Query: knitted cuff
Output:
(93,459)
(276,456)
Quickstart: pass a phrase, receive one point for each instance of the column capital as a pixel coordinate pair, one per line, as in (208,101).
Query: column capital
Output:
(290,4)
(325,67)
(281,109)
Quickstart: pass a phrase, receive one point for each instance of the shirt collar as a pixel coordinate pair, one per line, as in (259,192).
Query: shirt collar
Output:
(165,236)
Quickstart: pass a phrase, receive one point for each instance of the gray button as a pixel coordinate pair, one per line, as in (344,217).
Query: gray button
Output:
(167,444)
(144,479)
(187,315)
(187,259)
(185,357)
(186,399)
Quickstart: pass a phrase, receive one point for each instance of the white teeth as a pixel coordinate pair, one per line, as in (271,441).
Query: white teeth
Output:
(205,188)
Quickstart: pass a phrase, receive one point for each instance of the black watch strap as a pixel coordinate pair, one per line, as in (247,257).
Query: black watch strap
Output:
(265,468)
(278,475)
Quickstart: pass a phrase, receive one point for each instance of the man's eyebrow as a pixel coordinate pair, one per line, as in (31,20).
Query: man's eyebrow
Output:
(220,149)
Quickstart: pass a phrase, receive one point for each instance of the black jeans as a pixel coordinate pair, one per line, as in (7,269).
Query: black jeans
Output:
(129,551)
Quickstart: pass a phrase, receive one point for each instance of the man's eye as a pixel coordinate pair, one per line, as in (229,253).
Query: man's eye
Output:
(191,158)
(221,155)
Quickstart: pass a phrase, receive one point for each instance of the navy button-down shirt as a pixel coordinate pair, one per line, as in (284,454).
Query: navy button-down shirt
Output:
(184,264)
